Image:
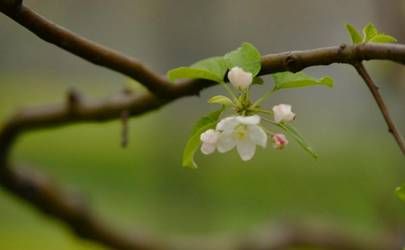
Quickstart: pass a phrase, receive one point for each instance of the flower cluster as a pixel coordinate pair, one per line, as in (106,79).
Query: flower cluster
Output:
(242,132)
(245,131)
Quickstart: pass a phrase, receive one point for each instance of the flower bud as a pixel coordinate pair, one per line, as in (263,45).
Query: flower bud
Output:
(209,141)
(283,113)
(209,136)
(279,141)
(239,78)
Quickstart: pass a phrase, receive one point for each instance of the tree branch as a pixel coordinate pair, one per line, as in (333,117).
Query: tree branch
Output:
(85,48)
(381,104)
(103,56)
(293,235)
(48,198)
(43,194)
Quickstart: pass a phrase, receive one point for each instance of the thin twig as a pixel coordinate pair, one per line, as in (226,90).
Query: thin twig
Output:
(381,104)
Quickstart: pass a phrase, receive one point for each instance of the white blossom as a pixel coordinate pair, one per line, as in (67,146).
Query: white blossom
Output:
(239,78)
(283,113)
(242,132)
(279,141)
(209,141)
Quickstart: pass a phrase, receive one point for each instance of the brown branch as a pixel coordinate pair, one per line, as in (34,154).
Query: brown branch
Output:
(57,115)
(42,193)
(381,104)
(286,236)
(103,56)
(48,198)
(85,48)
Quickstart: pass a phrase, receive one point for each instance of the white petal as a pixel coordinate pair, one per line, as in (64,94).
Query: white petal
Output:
(257,135)
(277,118)
(286,108)
(239,78)
(282,112)
(225,143)
(249,120)
(207,148)
(246,149)
(210,136)
(227,124)
(290,117)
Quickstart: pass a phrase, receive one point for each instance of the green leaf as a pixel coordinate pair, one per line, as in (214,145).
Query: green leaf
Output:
(287,79)
(193,73)
(382,38)
(213,68)
(400,192)
(370,34)
(247,57)
(216,65)
(354,34)
(194,142)
(298,137)
(220,99)
(369,31)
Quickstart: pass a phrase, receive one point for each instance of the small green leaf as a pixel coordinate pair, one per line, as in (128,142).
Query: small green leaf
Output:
(287,79)
(370,34)
(194,142)
(213,68)
(298,137)
(369,31)
(247,57)
(354,34)
(220,99)
(382,38)
(400,192)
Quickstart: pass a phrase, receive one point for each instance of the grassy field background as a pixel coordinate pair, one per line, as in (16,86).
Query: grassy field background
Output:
(143,187)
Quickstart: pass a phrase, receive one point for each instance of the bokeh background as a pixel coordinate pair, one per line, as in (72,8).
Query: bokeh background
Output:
(144,186)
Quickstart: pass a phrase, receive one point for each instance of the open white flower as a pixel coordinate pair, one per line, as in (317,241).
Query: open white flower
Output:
(239,78)
(209,141)
(283,113)
(279,141)
(242,132)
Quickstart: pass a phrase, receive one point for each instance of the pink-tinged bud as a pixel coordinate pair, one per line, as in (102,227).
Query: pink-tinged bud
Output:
(279,141)
(239,78)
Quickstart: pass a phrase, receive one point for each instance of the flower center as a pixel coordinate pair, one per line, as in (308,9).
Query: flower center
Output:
(240,132)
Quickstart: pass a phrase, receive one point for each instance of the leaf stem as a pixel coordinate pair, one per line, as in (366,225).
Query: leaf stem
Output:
(269,132)
(271,122)
(230,92)
(264,111)
(264,97)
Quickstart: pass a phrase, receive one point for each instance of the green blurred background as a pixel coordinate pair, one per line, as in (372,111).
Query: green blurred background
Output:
(144,187)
